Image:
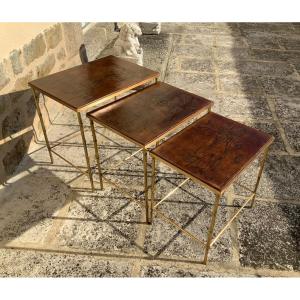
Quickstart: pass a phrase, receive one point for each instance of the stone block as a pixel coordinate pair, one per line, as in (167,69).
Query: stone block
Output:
(4,80)
(61,54)
(95,40)
(15,58)
(22,82)
(46,67)
(53,36)
(35,49)
(150,28)
(73,37)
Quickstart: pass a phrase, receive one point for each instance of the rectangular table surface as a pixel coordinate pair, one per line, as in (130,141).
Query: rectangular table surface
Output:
(150,113)
(85,84)
(214,149)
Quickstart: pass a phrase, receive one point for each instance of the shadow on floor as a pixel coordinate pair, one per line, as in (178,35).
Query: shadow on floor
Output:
(264,74)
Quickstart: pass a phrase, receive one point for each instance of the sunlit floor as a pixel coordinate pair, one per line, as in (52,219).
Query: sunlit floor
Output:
(53,225)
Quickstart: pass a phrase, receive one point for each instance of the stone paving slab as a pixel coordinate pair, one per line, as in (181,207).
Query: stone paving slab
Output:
(26,211)
(198,65)
(244,106)
(17,263)
(269,236)
(261,41)
(201,84)
(106,222)
(280,178)
(284,87)
(270,128)
(292,131)
(239,84)
(173,271)
(195,39)
(225,53)
(259,68)
(190,207)
(155,50)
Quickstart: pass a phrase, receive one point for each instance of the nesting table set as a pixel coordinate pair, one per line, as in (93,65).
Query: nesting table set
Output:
(211,151)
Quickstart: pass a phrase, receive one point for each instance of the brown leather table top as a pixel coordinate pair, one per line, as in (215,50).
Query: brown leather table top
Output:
(214,149)
(82,85)
(148,114)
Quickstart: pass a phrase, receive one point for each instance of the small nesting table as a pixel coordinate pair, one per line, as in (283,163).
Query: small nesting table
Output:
(84,86)
(212,151)
(146,117)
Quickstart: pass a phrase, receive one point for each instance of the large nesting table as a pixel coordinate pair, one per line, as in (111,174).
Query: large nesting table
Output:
(84,86)
(212,151)
(146,117)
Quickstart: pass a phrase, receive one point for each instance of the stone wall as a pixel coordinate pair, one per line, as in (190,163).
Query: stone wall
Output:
(54,49)
(97,36)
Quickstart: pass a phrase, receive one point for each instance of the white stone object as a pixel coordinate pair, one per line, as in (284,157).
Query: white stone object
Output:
(127,45)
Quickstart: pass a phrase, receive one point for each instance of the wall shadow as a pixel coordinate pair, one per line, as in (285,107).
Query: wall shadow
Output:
(17,112)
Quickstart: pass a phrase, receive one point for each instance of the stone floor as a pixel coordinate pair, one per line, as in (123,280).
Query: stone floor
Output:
(53,225)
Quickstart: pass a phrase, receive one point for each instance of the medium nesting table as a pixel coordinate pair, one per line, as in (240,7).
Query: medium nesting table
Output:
(146,117)
(212,151)
(84,86)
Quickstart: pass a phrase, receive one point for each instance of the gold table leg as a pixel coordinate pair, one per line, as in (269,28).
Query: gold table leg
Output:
(211,226)
(146,184)
(85,150)
(97,153)
(262,164)
(36,100)
(153,175)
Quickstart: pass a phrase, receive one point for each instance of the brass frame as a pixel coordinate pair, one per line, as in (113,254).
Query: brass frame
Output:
(88,172)
(218,195)
(114,95)
(143,148)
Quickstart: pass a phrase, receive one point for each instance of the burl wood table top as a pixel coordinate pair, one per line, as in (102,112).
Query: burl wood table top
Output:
(214,149)
(145,116)
(85,85)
